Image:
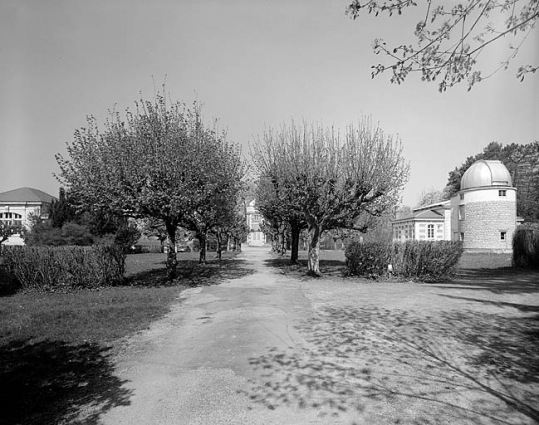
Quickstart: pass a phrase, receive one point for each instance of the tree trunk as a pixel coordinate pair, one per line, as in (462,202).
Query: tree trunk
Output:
(313,263)
(201,236)
(281,247)
(218,237)
(295,230)
(172,260)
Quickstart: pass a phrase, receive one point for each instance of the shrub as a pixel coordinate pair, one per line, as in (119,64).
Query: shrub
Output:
(48,268)
(526,246)
(367,259)
(425,260)
(418,260)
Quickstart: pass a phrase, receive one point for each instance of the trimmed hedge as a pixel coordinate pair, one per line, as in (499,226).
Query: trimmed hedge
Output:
(47,268)
(417,260)
(526,246)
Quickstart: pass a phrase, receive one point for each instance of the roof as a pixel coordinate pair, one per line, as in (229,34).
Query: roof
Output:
(422,215)
(485,173)
(26,194)
(437,205)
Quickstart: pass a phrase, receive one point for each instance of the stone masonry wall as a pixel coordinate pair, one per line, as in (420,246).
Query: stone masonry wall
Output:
(484,222)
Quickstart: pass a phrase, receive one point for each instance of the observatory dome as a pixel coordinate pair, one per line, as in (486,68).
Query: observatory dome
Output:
(486,173)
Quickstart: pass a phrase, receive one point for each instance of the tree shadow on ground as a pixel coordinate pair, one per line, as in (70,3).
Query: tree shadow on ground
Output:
(48,382)
(328,268)
(466,367)
(501,280)
(193,274)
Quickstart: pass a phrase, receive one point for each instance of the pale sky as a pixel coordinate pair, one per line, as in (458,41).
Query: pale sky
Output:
(252,63)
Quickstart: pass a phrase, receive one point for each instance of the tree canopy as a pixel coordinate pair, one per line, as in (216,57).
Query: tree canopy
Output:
(451,37)
(522,161)
(332,179)
(159,162)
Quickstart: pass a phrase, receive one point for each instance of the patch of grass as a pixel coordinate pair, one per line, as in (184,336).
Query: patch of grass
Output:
(83,316)
(332,264)
(484,260)
(55,347)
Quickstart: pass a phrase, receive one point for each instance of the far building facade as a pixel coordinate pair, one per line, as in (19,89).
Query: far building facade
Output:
(255,237)
(18,205)
(483,214)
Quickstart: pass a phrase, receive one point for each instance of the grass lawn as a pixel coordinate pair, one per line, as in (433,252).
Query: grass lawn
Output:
(56,348)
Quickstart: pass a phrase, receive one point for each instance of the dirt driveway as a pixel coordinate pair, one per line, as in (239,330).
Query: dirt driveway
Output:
(270,349)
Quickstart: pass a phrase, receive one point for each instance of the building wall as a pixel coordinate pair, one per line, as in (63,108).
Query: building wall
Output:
(486,221)
(22,210)
(255,236)
(418,230)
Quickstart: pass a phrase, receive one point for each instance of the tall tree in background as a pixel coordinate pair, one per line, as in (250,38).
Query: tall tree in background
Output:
(451,37)
(522,161)
(335,179)
(431,196)
(148,165)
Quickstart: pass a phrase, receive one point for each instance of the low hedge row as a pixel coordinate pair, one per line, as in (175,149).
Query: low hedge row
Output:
(526,246)
(417,260)
(46,267)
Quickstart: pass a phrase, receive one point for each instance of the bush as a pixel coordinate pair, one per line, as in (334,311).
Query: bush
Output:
(425,260)
(44,233)
(418,260)
(526,246)
(48,268)
(367,259)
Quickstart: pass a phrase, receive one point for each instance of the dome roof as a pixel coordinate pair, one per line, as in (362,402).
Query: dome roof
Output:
(486,173)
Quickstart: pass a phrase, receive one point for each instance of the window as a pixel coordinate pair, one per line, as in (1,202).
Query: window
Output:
(256,217)
(461,196)
(12,218)
(502,192)
(503,236)
(430,231)
(462,236)
(462,212)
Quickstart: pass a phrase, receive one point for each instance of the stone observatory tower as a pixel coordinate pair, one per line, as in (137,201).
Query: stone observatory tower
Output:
(484,211)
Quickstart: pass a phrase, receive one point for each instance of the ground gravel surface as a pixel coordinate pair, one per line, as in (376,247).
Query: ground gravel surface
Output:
(269,348)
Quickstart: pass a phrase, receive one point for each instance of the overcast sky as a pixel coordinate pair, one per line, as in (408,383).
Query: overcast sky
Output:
(252,63)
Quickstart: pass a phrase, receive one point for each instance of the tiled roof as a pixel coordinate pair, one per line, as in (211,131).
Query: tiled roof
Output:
(423,215)
(26,194)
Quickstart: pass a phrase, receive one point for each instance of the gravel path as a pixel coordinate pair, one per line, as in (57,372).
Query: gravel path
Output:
(269,349)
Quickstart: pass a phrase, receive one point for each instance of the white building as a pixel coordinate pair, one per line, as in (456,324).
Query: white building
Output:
(17,205)
(482,214)
(255,237)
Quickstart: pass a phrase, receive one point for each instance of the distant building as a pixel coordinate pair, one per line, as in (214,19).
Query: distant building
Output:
(482,214)
(255,237)
(430,222)
(17,205)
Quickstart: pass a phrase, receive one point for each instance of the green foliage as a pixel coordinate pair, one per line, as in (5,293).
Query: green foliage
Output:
(50,268)
(522,161)
(160,162)
(331,179)
(367,259)
(526,246)
(425,260)
(417,260)
(46,234)
(62,211)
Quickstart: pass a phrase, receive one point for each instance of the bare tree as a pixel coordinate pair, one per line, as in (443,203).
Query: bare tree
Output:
(333,179)
(450,38)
